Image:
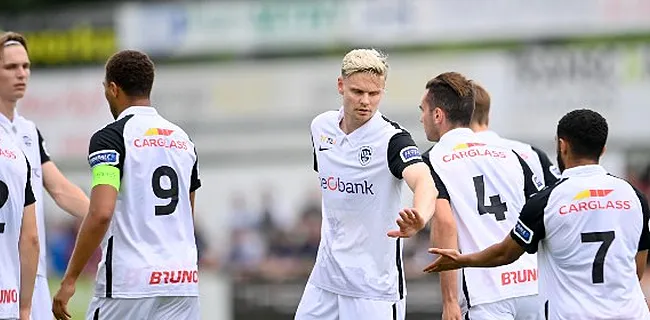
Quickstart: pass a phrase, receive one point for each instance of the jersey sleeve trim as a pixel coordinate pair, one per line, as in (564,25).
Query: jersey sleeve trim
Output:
(195,180)
(530,229)
(29,193)
(442,189)
(532,184)
(45,156)
(402,152)
(548,168)
(644,241)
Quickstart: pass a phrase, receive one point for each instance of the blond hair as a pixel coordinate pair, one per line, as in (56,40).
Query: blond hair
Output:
(481,115)
(364,60)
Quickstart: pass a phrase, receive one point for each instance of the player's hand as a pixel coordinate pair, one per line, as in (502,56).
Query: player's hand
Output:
(448,260)
(60,300)
(409,222)
(451,312)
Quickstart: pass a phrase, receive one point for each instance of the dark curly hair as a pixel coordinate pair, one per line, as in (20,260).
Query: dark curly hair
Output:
(132,71)
(454,94)
(586,132)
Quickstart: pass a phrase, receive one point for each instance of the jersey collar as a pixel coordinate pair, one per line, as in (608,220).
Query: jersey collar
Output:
(584,171)
(458,132)
(137,110)
(8,125)
(357,135)
(488,134)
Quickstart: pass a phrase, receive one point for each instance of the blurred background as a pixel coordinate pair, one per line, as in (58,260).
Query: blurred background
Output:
(245,77)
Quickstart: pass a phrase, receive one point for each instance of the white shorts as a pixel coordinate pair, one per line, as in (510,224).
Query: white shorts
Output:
(317,303)
(520,308)
(41,301)
(186,308)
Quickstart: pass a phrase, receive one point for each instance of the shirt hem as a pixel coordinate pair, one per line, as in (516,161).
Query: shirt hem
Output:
(392,298)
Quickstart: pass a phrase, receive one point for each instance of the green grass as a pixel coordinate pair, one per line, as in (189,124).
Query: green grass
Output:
(79,302)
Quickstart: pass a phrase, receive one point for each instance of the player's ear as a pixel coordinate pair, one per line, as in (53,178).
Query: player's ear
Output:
(438,115)
(339,84)
(113,89)
(604,150)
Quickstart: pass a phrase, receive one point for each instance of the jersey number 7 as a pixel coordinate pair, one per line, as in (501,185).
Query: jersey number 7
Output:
(496,206)
(597,273)
(4,196)
(170,193)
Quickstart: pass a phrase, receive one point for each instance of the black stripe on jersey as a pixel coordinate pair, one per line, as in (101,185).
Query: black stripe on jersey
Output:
(313,149)
(96,314)
(195,181)
(644,241)
(394,311)
(109,268)
(111,137)
(529,183)
(45,157)
(466,293)
(549,177)
(393,123)
(400,275)
(402,152)
(532,218)
(442,189)
(546,310)
(467,315)
(29,193)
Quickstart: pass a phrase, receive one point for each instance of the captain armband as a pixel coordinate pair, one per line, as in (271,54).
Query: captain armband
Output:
(106,174)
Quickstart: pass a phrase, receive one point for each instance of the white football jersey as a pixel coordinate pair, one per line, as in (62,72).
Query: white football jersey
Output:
(588,227)
(30,140)
(360,175)
(536,159)
(149,249)
(486,185)
(15,194)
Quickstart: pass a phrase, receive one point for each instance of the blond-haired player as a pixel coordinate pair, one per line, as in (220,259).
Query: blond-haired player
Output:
(361,158)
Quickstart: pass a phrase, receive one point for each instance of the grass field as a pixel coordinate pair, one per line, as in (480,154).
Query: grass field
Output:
(79,302)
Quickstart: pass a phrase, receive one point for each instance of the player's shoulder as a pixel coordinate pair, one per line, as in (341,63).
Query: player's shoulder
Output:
(625,184)
(548,191)
(113,129)
(24,123)
(325,118)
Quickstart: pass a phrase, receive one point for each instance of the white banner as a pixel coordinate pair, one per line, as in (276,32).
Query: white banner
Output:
(203,28)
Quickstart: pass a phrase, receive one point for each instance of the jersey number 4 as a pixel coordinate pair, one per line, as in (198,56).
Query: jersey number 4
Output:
(496,207)
(597,273)
(4,196)
(170,193)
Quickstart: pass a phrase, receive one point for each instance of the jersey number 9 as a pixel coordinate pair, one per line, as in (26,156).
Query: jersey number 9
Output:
(170,193)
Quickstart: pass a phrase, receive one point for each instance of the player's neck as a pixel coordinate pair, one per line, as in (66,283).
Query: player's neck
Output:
(580,162)
(142,102)
(479,127)
(8,109)
(348,125)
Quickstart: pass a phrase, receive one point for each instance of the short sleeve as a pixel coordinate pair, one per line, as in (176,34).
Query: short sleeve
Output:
(442,189)
(551,174)
(45,156)
(107,148)
(644,242)
(195,180)
(402,152)
(29,193)
(532,183)
(530,230)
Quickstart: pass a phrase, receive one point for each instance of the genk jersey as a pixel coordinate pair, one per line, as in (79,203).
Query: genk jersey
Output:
(360,175)
(486,185)
(149,249)
(15,195)
(535,158)
(588,228)
(29,139)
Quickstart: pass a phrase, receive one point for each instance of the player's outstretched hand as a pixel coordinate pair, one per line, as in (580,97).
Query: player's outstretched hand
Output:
(448,260)
(409,222)
(60,301)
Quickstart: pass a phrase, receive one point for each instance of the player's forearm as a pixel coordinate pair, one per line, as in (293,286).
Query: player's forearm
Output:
(71,199)
(444,235)
(93,229)
(29,248)
(424,198)
(493,256)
